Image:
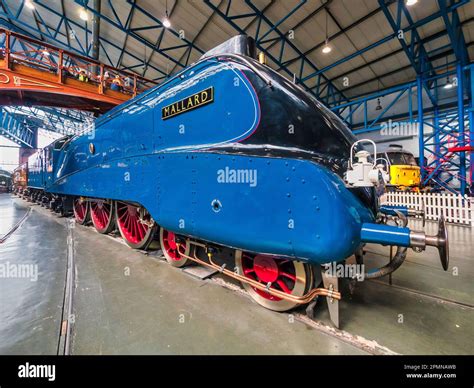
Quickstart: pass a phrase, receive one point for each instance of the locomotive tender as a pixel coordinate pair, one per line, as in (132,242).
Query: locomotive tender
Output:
(228,160)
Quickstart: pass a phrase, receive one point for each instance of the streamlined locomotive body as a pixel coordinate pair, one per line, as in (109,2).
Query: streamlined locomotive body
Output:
(227,156)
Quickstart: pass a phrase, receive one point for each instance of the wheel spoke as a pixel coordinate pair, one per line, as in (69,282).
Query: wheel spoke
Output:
(288,275)
(142,230)
(282,274)
(283,286)
(133,230)
(172,250)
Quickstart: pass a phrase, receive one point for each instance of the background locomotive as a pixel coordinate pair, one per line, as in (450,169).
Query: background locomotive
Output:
(5,181)
(20,178)
(403,168)
(229,162)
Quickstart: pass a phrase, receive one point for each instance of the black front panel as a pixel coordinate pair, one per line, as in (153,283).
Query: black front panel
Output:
(294,120)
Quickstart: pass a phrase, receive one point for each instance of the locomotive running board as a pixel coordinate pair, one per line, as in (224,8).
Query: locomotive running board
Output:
(331,283)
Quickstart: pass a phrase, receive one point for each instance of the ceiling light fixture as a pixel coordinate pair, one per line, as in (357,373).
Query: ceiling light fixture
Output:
(29,4)
(379,105)
(83,15)
(449,84)
(166,21)
(409,3)
(326,49)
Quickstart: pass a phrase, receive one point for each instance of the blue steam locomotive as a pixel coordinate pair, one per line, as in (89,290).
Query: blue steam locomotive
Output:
(234,167)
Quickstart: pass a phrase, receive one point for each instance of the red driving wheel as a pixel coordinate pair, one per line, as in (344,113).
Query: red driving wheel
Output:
(135,225)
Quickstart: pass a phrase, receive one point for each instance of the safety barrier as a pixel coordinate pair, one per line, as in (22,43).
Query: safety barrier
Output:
(455,208)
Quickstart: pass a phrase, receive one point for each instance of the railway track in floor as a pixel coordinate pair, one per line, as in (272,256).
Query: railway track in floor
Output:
(369,346)
(64,347)
(64,342)
(413,291)
(15,227)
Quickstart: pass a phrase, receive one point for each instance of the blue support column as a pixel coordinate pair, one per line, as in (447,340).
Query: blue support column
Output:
(421,140)
(471,126)
(437,137)
(461,134)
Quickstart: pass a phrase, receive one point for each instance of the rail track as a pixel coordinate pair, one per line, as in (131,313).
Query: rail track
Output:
(371,347)
(15,227)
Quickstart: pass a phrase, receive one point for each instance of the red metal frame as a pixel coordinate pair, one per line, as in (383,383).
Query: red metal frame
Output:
(461,149)
(39,72)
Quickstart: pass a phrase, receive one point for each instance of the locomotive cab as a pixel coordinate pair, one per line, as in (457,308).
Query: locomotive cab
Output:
(404,171)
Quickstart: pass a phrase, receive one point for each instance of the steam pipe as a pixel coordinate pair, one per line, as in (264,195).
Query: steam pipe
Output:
(385,234)
(404,237)
(306,298)
(394,264)
(392,211)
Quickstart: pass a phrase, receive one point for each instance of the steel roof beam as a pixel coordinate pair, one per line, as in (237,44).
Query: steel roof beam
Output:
(415,51)
(454,30)
(68,24)
(116,22)
(411,27)
(392,53)
(126,29)
(331,91)
(187,53)
(404,68)
(330,38)
(13,129)
(298,25)
(51,119)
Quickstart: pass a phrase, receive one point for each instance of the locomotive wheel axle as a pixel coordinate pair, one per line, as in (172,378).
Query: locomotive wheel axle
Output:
(138,228)
(306,298)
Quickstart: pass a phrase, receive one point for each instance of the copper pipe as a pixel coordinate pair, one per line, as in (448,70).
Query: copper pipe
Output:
(308,297)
